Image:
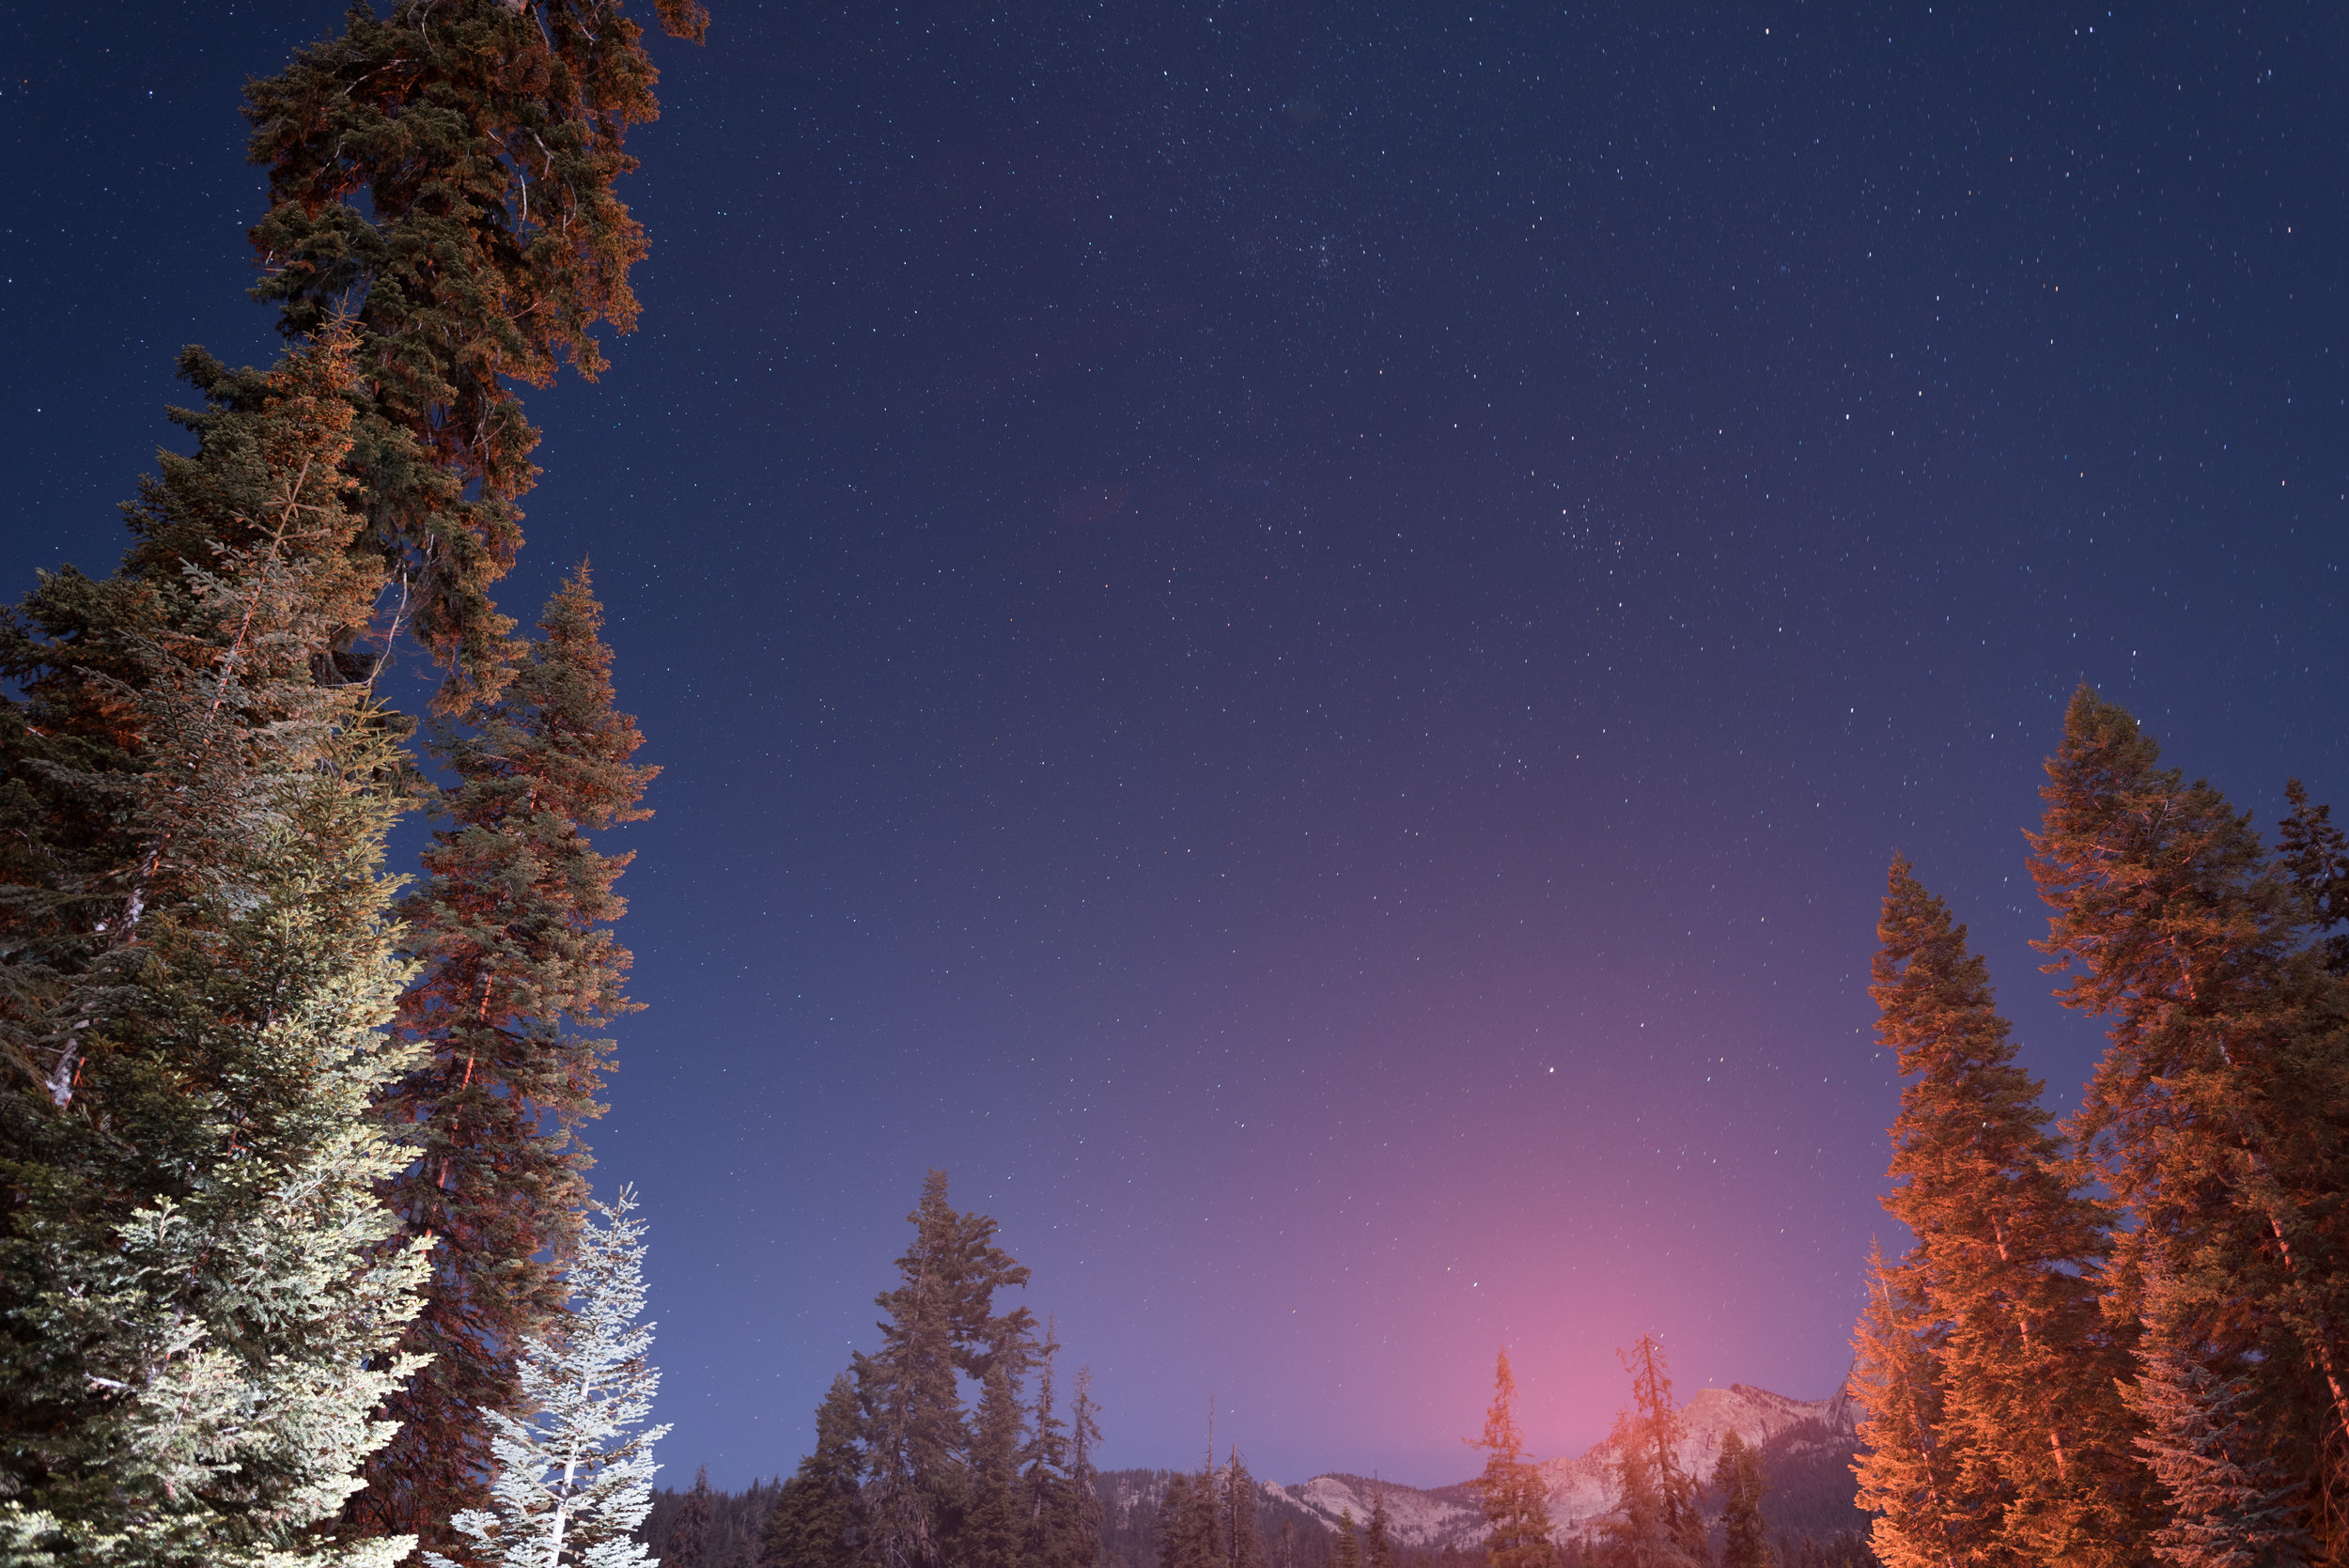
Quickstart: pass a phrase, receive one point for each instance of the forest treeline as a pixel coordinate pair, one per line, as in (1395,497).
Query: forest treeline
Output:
(299,1261)
(2123,1339)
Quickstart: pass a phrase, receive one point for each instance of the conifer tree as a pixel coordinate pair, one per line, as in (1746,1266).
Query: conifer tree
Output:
(198,1316)
(1377,1546)
(1906,1473)
(575,1478)
(1656,1522)
(2007,1261)
(2233,1505)
(941,1321)
(1051,1529)
(2219,1114)
(994,1530)
(818,1518)
(1346,1551)
(1187,1523)
(1243,1500)
(1738,1477)
(1515,1504)
(688,1546)
(448,171)
(512,925)
(1084,1436)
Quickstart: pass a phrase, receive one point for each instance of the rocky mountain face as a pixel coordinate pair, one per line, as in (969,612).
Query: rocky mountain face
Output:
(1807,1447)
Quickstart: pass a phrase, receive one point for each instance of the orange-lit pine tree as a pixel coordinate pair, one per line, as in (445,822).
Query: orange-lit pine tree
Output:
(447,172)
(1656,1522)
(1516,1508)
(512,925)
(1906,1469)
(2220,1114)
(2007,1263)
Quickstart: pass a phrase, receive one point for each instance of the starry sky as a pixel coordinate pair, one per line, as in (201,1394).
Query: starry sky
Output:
(1292,638)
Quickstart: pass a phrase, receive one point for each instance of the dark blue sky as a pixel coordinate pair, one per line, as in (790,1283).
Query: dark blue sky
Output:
(1293,638)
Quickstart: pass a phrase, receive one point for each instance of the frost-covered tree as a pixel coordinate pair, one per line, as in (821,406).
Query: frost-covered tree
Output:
(575,1480)
(199,1305)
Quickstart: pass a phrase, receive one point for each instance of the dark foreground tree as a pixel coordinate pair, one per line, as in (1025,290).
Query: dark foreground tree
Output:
(1739,1480)
(819,1520)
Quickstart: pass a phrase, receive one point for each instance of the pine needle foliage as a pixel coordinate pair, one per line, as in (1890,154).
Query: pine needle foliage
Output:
(1903,1465)
(1515,1504)
(448,172)
(512,926)
(1739,1480)
(2220,1114)
(2007,1263)
(2233,1505)
(200,1305)
(819,1520)
(575,1478)
(1656,1522)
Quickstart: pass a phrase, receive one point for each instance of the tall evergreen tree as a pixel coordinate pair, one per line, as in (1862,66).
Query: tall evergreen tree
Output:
(1243,1502)
(689,1537)
(2007,1262)
(575,1478)
(1515,1504)
(941,1321)
(1737,1477)
(513,929)
(818,1518)
(198,1311)
(1378,1542)
(1904,1469)
(994,1531)
(2219,1114)
(1656,1522)
(2231,1504)
(1187,1523)
(1084,1481)
(448,171)
(1347,1551)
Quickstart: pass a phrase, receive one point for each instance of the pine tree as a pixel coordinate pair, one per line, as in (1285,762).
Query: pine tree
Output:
(819,1519)
(994,1531)
(1346,1551)
(1738,1477)
(1377,1546)
(1656,1522)
(2233,1505)
(2219,1114)
(1084,1481)
(1050,1532)
(1187,1523)
(1243,1500)
(941,1321)
(575,1479)
(688,1538)
(2007,1262)
(1515,1504)
(198,1308)
(450,168)
(512,925)
(2314,855)
(1906,1473)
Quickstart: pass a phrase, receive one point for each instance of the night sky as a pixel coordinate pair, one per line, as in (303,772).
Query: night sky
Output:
(1293,638)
